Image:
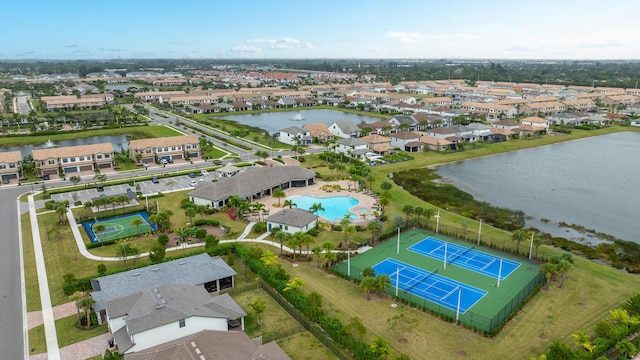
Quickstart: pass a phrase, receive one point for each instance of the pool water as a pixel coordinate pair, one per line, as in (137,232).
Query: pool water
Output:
(335,207)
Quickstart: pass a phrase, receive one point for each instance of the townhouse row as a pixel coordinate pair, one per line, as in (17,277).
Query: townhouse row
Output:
(51,162)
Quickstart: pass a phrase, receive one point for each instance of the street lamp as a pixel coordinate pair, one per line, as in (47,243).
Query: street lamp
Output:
(437,220)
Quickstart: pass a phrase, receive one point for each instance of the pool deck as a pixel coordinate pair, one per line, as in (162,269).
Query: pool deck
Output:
(367,201)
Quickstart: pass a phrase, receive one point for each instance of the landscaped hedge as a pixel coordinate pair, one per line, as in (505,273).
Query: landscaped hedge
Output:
(201,222)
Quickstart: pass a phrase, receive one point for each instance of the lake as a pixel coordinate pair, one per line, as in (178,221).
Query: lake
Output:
(274,121)
(589,182)
(119,142)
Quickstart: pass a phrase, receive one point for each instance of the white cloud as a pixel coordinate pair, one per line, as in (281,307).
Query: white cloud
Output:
(413,37)
(282,43)
(262,41)
(380,50)
(309,46)
(245,49)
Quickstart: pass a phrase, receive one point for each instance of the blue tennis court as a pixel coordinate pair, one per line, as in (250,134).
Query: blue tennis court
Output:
(429,285)
(466,257)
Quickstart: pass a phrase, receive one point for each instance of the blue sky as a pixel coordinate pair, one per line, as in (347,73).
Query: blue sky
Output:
(496,29)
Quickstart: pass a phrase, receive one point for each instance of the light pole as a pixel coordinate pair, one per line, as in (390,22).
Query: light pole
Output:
(437,220)
(398,248)
(531,246)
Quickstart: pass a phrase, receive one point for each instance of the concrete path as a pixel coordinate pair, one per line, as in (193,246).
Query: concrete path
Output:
(53,353)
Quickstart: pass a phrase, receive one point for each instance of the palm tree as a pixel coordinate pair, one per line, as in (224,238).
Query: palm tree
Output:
(76,296)
(258,306)
(518,236)
(317,250)
(294,284)
(87,303)
(419,211)
(99,229)
(329,255)
(88,205)
(368,284)
(344,223)
(155,219)
(281,237)
(375,227)
(381,348)
(122,199)
(137,222)
(307,240)
(293,241)
(290,204)
(125,249)
(537,241)
(61,211)
(549,270)
(278,193)
(563,268)
(428,213)
(258,208)
(383,281)
(316,208)
(407,210)
(268,258)
(167,218)
(190,212)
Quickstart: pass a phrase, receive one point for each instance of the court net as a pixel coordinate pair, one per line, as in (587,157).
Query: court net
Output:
(420,280)
(455,257)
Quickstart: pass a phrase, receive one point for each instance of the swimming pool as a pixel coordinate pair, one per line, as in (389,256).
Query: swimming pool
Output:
(335,207)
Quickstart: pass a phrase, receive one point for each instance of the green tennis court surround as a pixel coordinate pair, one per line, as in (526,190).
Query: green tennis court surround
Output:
(118,227)
(485,302)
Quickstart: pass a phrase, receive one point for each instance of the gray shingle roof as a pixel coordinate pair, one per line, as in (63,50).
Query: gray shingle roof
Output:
(192,270)
(348,127)
(292,217)
(351,142)
(252,181)
(154,307)
(227,345)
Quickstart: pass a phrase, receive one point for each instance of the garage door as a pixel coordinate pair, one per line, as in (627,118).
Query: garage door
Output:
(49,172)
(71,169)
(177,157)
(86,167)
(104,166)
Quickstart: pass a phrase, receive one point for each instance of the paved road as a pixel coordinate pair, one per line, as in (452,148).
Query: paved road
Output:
(12,332)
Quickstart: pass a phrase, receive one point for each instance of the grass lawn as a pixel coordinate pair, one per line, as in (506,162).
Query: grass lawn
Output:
(136,132)
(37,340)
(304,346)
(69,334)
(30,272)
(275,320)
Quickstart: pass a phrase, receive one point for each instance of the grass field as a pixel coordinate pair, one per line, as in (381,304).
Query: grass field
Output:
(488,313)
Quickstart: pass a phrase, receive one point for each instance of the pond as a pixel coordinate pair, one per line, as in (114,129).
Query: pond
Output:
(274,121)
(119,142)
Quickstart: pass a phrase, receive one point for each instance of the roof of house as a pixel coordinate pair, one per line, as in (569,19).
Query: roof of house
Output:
(228,345)
(351,142)
(432,140)
(375,139)
(162,142)
(72,151)
(287,100)
(318,130)
(10,156)
(404,135)
(442,130)
(294,130)
(154,307)
(347,127)
(292,217)
(250,182)
(506,123)
(192,270)
(401,119)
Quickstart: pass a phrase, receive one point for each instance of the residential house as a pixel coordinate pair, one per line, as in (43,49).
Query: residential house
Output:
(10,166)
(565,118)
(292,221)
(479,130)
(444,133)
(435,143)
(294,135)
(498,134)
(378,144)
(72,159)
(155,315)
(228,171)
(210,273)
(344,129)
(228,345)
(319,132)
(145,151)
(491,110)
(287,101)
(464,133)
(351,146)
(544,108)
(252,183)
(505,124)
(537,122)
(69,102)
(379,127)
(406,141)
(404,122)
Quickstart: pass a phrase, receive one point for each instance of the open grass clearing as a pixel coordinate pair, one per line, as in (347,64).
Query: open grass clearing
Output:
(304,346)
(275,320)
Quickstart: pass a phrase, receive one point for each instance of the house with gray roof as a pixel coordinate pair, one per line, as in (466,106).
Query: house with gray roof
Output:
(351,145)
(156,315)
(227,345)
(202,270)
(406,141)
(292,220)
(403,120)
(252,183)
(344,129)
(292,134)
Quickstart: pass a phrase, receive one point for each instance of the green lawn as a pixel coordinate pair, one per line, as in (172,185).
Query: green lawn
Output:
(304,346)
(30,272)
(37,340)
(68,333)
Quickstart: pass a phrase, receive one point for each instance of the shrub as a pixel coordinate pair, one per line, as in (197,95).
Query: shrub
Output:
(102,269)
(313,232)
(163,239)
(259,228)
(201,234)
(201,222)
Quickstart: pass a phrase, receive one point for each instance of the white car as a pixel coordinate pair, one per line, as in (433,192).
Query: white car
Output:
(193,183)
(204,172)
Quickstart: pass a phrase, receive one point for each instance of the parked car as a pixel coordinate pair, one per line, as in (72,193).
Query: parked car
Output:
(204,172)
(155,180)
(100,188)
(45,177)
(192,175)
(164,161)
(193,183)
